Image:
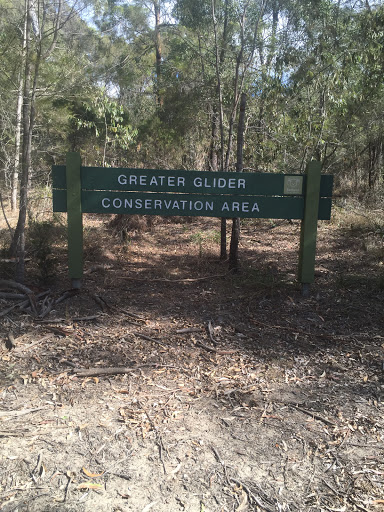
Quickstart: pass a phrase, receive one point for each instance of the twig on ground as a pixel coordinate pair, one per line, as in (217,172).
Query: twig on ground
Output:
(159,439)
(104,306)
(66,295)
(46,307)
(336,493)
(188,330)
(148,338)
(314,415)
(133,315)
(28,305)
(70,478)
(95,372)
(120,475)
(219,459)
(252,496)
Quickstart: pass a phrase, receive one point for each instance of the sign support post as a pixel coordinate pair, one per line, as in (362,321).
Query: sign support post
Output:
(75,219)
(308,232)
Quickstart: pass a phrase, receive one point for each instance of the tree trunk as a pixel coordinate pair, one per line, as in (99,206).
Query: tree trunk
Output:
(234,246)
(19,112)
(15,173)
(156,5)
(219,59)
(18,243)
(213,161)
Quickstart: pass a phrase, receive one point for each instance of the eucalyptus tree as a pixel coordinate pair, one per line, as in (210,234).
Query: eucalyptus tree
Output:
(44,20)
(333,88)
(12,43)
(228,34)
(100,118)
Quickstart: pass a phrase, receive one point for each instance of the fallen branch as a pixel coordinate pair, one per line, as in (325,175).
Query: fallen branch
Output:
(215,350)
(11,296)
(148,338)
(8,310)
(7,283)
(25,305)
(104,306)
(188,330)
(314,415)
(95,372)
(128,313)
(46,307)
(66,295)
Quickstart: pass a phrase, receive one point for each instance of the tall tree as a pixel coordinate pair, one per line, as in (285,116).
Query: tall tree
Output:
(43,23)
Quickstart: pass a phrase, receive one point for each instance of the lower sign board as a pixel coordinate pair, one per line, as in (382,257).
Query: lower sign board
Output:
(191,205)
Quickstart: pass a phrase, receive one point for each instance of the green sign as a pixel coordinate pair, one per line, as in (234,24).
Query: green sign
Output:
(190,182)
(79,190)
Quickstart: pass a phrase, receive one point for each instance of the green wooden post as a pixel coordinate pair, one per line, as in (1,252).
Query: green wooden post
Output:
(75,220)
(309,226)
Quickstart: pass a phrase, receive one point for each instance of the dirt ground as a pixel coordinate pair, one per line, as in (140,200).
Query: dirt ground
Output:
(225,392)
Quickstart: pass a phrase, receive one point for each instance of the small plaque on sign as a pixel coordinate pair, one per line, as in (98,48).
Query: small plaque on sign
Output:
(293,185)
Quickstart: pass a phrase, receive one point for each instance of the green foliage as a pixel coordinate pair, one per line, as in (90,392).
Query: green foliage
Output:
(199,238)
(313,77)
(105,122)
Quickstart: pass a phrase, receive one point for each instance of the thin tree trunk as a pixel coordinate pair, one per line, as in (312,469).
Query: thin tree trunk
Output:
(158,49)
(18,242)
(19,111)
(32,60)
(219,59)
(213,161)
(235,237)
(106,136)
(15,173)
